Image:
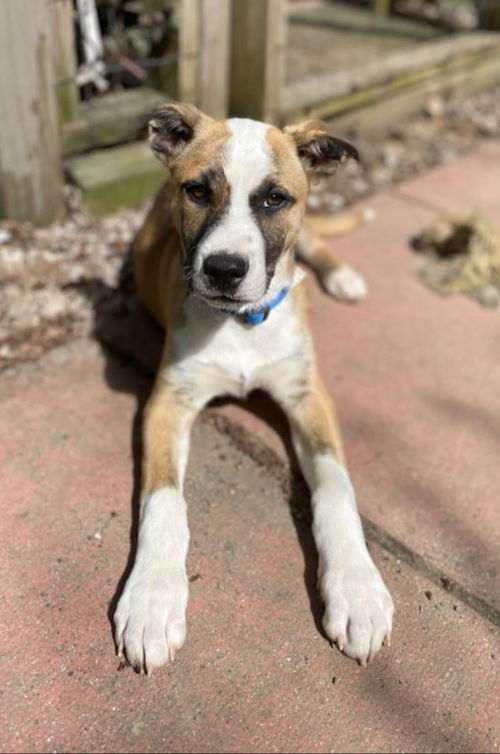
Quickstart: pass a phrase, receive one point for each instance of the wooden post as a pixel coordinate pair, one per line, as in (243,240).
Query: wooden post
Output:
(257,58)
(214,57)
(65,60)
(382,7)
(30,170)
(189,45)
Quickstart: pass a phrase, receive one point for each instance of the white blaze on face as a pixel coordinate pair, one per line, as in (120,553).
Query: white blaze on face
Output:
(248,161)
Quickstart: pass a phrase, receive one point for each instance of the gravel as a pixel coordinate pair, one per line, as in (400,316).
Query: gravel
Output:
(53,280)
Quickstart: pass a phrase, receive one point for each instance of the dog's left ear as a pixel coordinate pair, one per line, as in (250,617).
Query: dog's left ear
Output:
(319,151)
(171,128)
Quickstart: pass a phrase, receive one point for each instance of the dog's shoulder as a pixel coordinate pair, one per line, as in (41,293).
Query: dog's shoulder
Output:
(155,253)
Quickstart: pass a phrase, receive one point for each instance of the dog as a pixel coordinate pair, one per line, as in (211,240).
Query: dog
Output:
(214,264)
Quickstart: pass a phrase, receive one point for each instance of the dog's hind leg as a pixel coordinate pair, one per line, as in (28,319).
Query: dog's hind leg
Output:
(150,624)
(358,607)
(339,280)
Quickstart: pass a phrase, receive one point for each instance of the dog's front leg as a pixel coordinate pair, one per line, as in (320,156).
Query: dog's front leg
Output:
(150,623)
(358,607)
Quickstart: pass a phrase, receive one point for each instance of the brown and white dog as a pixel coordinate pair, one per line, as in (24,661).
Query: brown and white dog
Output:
(214,264)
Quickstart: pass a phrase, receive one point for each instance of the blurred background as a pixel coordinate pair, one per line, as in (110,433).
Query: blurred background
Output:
(412,83)
(89,71)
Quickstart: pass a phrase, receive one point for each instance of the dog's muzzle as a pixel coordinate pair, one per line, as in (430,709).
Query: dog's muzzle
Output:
(224,272)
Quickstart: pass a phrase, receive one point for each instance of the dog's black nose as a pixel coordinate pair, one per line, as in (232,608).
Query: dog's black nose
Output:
(225,270)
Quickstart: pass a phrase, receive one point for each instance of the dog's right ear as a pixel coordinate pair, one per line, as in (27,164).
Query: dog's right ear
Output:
(171,128)
(318,150)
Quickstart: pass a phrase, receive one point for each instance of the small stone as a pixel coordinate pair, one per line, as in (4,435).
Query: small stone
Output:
(313,201)
(335,202)
(435,107)
(5,235)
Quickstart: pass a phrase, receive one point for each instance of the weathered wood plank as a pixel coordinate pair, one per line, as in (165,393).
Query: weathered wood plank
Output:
(397,84)
(257,58)
(116,118)
(30,170)
(376,118)
(313,90)
(382,7)
(338,15)
(189,44)
(214,57)
(65,59)
(123,176)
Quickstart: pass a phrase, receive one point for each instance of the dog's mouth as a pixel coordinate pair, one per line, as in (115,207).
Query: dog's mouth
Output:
(218,299)
(223,301)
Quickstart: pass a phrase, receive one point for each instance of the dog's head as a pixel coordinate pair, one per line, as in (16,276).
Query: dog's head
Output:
(239,195)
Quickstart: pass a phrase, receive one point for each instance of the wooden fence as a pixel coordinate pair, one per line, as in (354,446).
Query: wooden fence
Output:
(229,59)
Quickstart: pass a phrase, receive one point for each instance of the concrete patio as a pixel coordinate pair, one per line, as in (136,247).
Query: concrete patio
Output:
(416,379)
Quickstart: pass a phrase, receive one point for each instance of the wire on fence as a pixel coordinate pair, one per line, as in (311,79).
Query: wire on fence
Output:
(143,62)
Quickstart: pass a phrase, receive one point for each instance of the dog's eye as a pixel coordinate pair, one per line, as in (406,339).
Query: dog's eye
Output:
(275,200)
(198,192)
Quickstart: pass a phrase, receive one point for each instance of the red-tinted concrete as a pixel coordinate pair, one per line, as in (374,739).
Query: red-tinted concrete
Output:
(416,382)
(470,183)
(255,674)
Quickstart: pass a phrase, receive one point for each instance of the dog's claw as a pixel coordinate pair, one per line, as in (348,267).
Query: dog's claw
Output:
(339,641)
(172,653)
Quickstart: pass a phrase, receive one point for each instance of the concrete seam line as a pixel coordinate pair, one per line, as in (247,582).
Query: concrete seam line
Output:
(263,455)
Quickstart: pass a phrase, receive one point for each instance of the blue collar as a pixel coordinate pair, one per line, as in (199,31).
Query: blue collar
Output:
(260,315)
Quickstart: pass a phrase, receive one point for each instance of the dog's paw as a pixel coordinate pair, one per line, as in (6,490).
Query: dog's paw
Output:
(150,619)
(358,610)
(345,284)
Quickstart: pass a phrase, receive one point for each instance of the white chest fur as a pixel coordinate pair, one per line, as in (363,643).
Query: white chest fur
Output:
(215,354)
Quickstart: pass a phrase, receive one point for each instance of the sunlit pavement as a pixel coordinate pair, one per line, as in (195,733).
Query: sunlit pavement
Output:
(416,379)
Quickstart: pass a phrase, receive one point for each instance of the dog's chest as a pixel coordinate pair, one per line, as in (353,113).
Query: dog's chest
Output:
(214,359)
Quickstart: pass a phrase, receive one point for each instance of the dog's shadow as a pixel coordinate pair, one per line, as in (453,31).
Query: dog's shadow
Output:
(132,344)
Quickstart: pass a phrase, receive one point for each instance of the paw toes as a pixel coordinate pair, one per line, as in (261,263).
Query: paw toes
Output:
(358,639)
(134,648)
(358,614)
(382,625)
(155,648)
(176,636)
(120,621)
(335,625)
